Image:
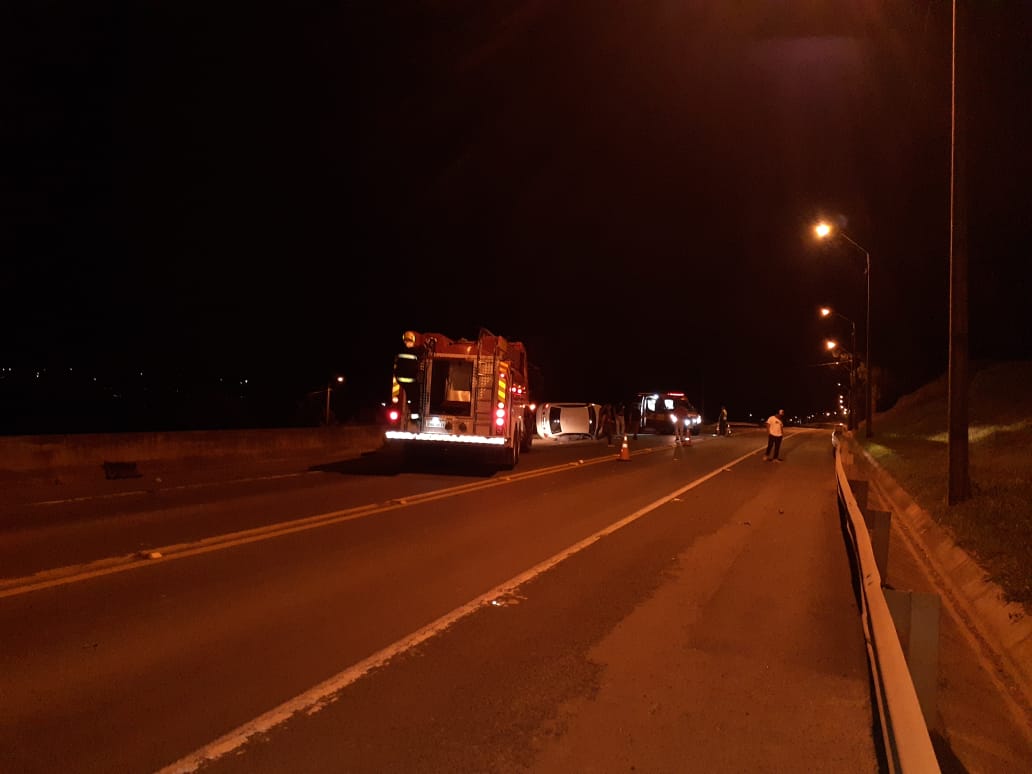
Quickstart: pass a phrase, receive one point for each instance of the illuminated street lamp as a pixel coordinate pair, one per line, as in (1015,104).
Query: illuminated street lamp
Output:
(827,311)
(840,354)
(823,230)
(329,390)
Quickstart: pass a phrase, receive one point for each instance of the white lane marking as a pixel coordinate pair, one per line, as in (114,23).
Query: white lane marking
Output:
(321,695)
(84,498)
(198,485)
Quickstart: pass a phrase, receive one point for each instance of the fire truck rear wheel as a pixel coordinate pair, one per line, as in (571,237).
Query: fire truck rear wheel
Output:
(513,454)
(526,439)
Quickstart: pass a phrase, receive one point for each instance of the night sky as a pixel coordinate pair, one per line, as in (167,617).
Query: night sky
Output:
(277,191)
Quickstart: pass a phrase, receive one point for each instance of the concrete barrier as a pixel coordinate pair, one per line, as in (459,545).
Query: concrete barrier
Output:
(41,454)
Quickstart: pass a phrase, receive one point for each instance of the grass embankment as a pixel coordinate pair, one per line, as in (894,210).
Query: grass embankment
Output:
(995,524)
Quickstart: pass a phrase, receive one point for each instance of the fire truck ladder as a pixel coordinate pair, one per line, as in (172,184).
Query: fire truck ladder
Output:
(486,368)
(423,406)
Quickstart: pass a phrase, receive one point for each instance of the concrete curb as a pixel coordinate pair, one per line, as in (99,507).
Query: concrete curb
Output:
(1002,630)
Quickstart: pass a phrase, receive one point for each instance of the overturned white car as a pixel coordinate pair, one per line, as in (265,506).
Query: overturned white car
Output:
(556,420)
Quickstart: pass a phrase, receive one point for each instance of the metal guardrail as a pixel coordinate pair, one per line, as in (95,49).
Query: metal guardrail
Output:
(906,743)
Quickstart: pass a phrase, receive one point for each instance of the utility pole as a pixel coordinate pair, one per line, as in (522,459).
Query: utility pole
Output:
(959,482)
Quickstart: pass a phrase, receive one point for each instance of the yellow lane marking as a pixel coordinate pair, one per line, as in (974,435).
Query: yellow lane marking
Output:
(111,565)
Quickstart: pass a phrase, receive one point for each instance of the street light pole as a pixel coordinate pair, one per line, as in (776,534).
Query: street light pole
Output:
(329,389)
(823,230)
(839,355)
(870,368)
(826,312)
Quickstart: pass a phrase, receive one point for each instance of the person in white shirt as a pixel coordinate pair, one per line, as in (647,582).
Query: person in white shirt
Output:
(775,432)
(680,414)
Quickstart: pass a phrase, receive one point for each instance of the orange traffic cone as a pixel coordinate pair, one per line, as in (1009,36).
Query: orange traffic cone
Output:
(625,453)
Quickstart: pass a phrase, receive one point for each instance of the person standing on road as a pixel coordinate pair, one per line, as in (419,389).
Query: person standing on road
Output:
(722,428)
(680,416)
(605,423)
(620,417)
(775,432)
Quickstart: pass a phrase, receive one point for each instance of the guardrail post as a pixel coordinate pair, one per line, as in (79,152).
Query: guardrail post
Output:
(916,616)
(879,526)
(859,489)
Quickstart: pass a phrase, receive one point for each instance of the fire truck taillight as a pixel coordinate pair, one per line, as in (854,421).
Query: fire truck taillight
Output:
(500,415)
(392,416)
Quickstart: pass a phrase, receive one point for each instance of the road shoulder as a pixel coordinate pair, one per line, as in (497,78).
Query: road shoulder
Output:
(984,703)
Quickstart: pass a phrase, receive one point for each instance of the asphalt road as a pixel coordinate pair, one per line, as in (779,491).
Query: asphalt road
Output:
(689,609)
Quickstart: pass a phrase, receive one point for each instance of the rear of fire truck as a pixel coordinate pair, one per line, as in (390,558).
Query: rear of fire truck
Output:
(461,397)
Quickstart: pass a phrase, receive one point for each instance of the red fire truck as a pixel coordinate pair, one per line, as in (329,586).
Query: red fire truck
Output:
(461,394)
